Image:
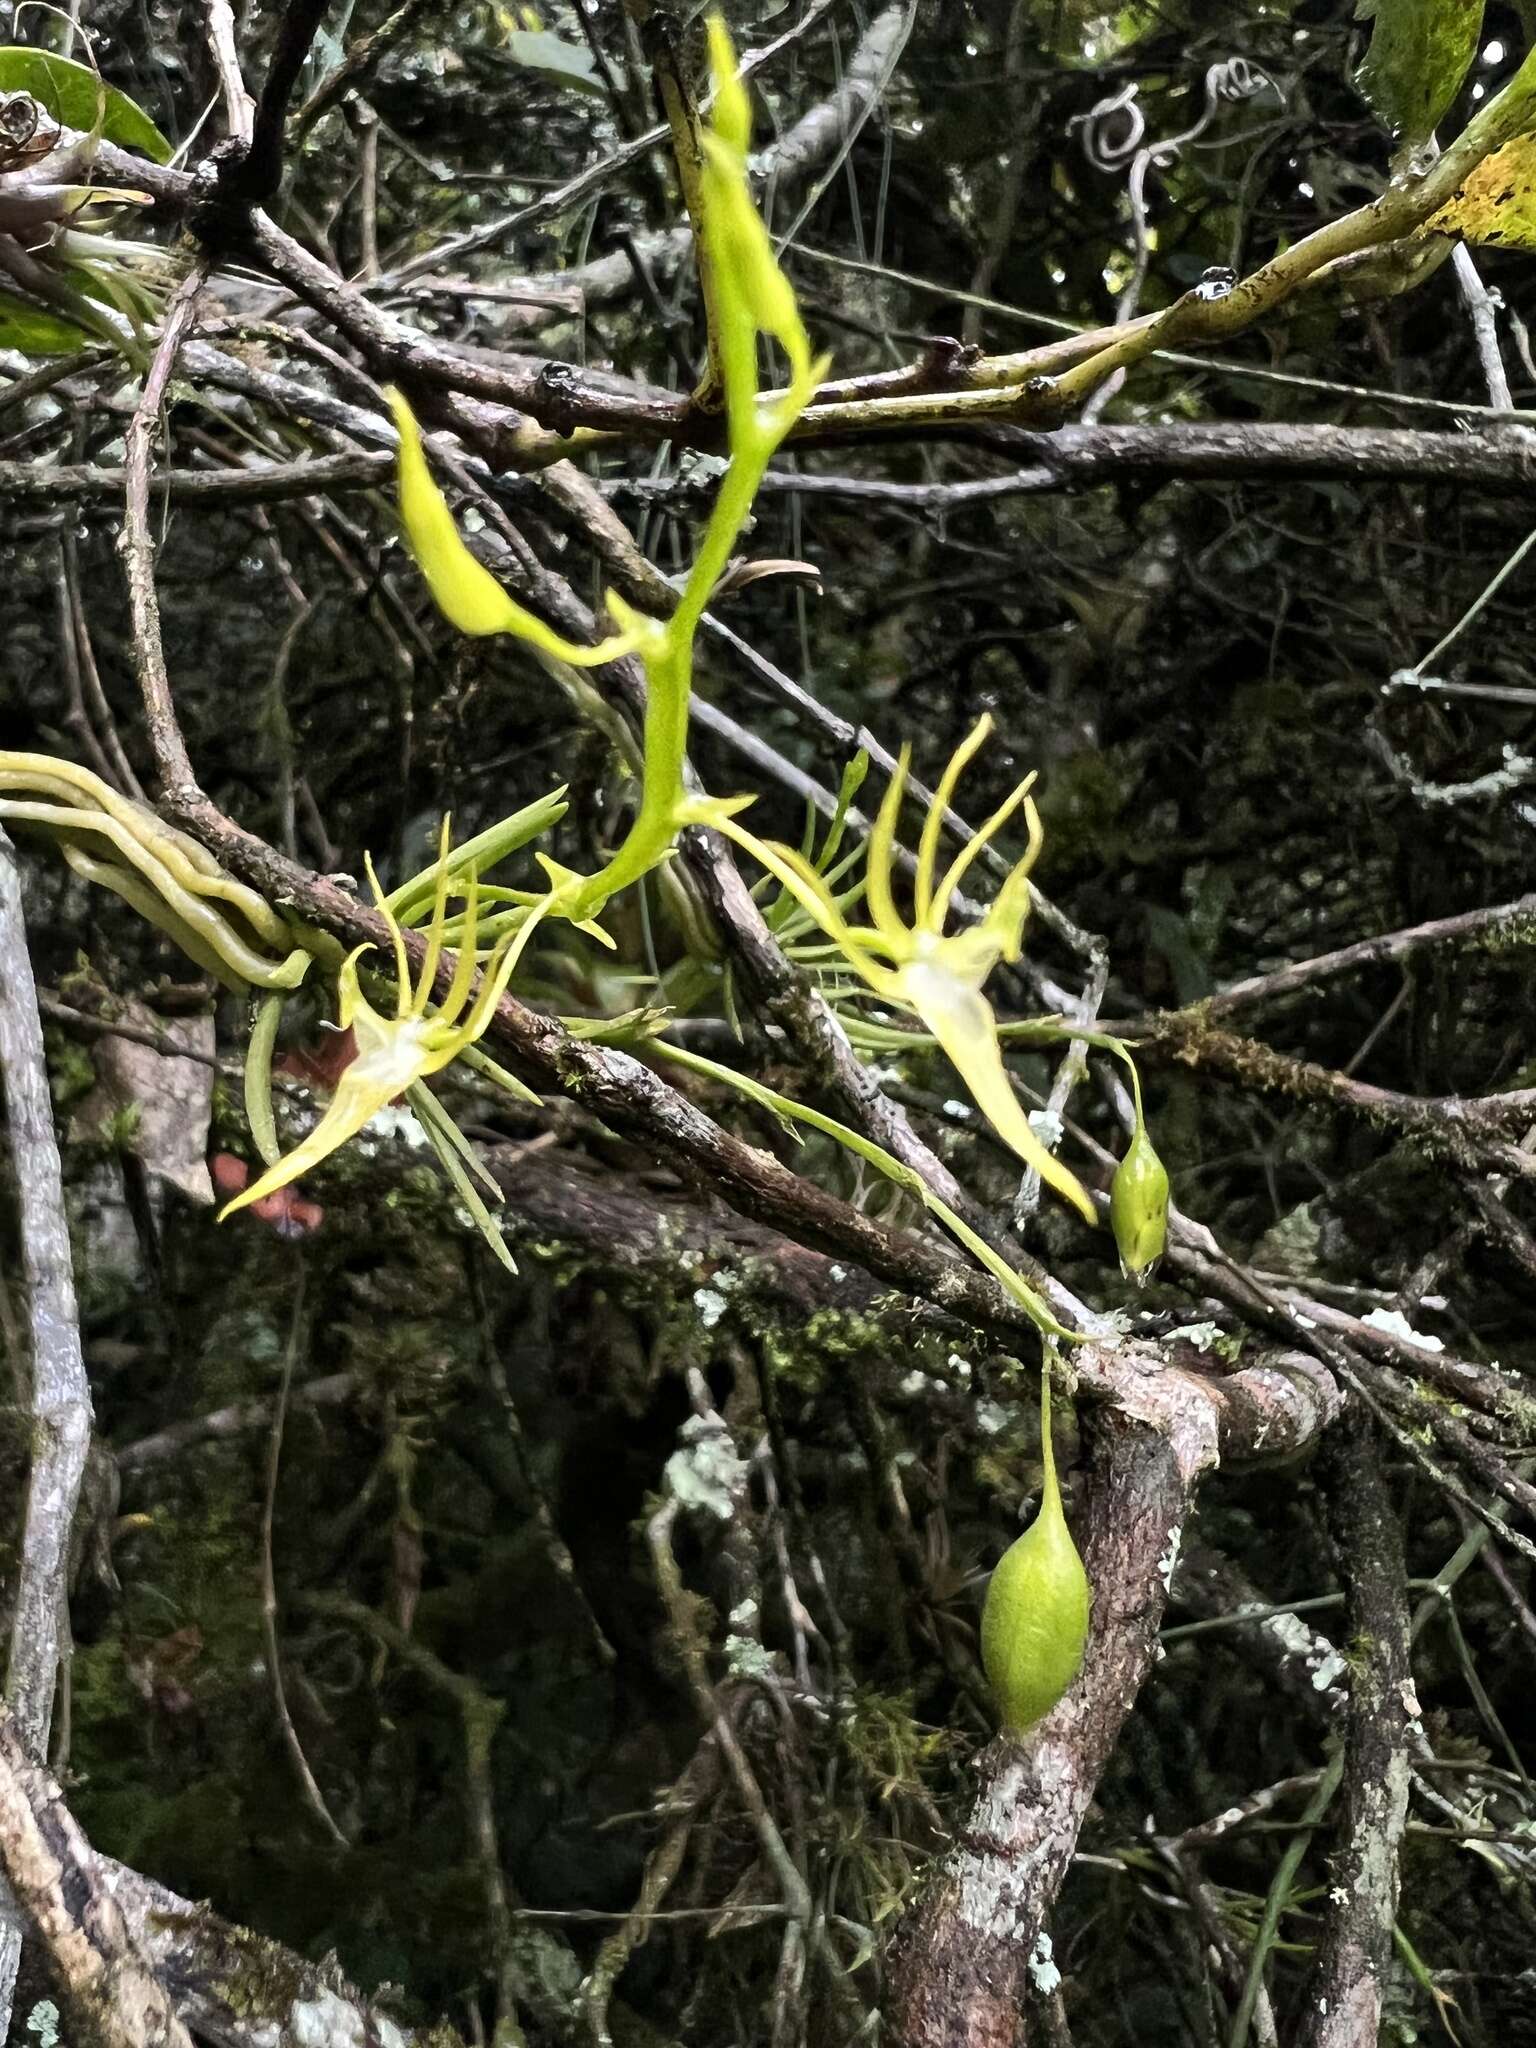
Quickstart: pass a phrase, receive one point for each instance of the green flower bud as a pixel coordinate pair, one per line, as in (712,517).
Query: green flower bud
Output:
(1138,1208)
(1034,1625)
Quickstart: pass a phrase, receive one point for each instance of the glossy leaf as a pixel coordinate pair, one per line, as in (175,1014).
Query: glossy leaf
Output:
(75,96)
(1420,53)
(33,331)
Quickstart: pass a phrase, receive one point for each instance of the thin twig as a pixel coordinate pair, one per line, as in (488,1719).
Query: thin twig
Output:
(358,66)
(256,176)
(1499,922)
(1480,305)
(136,544)
(239,107)
(253,483)
(314,1798)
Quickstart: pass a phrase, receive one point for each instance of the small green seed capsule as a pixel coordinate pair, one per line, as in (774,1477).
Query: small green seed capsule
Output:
(1138,1208)
(1034,1625)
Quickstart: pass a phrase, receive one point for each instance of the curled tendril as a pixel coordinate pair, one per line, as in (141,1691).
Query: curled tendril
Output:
(1114,129)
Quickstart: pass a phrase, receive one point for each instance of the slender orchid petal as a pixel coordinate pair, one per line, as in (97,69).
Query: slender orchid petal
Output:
(389,1059)
(960,866)
(933,824)
(349,994)
(882,849)
(493,985)
(918,967)
(396,937)
(464,960)
(396,1054)
(810,891)
(434,952)
(1010,906)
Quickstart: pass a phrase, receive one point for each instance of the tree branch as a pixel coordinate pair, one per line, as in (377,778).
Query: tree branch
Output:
(136,543)
(1497,925)
(254,176)
(1344,1998)
(112,1996)
(358,66)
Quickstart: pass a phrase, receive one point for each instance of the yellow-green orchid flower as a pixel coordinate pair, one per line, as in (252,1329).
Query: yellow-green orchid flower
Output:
(396,1053)
(921,968)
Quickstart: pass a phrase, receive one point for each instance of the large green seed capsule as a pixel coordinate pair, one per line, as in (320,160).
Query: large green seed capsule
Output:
(1138,1208)
(1034,1626)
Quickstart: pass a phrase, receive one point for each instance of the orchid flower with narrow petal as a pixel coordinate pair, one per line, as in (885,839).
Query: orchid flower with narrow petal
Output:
(920,967)
(395,1053)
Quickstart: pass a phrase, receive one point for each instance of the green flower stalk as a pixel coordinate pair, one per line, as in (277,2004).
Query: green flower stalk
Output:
(918,966)
(911,1183)
(752,298)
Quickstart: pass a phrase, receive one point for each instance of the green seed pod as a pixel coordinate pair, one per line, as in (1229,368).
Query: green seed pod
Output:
(1034,1626)
(1138,1208)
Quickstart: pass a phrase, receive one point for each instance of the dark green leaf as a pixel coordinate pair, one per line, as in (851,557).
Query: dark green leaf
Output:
(1420,53)
(74,95)
(35,331)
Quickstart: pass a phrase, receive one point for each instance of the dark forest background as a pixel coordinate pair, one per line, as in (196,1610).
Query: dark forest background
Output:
(496,1671)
